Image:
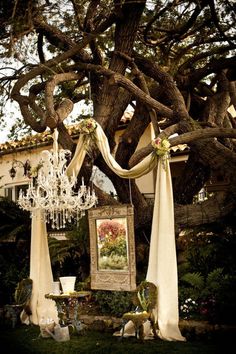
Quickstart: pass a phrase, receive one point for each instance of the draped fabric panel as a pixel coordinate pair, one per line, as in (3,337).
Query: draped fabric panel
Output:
(142,168)
(162,265)
(78,159)
(40,272)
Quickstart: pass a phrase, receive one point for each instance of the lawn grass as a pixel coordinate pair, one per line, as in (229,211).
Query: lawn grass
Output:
(25,339)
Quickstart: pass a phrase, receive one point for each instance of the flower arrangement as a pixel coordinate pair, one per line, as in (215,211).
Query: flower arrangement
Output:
(110,229)
(161,146)
(112,245)
(87,126)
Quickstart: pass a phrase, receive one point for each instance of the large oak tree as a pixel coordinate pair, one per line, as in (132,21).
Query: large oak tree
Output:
(173,61)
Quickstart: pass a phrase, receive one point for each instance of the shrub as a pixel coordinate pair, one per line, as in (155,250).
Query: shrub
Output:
(114,303)
(207,278)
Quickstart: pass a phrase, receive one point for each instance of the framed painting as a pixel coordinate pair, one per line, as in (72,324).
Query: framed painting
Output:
(112,248)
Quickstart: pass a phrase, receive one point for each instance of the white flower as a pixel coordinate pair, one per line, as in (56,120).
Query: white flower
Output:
(87,126)
(165,144)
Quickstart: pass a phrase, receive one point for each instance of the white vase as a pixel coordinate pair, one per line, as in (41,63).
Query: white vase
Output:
(56,288)
(67,284)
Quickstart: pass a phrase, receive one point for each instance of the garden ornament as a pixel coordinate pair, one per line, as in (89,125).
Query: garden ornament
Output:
(61,334)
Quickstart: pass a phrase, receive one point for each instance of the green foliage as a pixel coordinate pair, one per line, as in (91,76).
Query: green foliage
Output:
(145,296)
(59,250)
(195,280)
(215,278)
(14,248)
(211,246)
(114,247)
(71,257)
(201,288)
(113,262)
(114,303)
(207,278)
(15,222)
(14,266)
(83,285)
(19,129)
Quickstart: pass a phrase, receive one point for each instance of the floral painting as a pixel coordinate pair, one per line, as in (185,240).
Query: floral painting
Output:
(112,244)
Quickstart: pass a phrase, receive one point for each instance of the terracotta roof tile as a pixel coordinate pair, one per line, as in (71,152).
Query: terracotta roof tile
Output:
(46,139)
(33,140)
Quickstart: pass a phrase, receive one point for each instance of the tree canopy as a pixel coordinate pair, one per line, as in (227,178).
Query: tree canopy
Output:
(173,61)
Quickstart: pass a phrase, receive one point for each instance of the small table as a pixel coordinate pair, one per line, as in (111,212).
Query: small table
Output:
(68,306)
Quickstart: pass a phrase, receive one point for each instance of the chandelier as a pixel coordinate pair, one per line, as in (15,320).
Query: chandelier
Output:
(53,191)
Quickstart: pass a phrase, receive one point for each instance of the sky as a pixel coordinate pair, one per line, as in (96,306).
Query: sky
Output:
(10,121)
(13,106)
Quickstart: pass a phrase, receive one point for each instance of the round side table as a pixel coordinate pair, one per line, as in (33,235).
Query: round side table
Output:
(68,306)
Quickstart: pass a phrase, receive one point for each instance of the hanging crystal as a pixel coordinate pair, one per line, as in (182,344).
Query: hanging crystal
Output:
(53,191)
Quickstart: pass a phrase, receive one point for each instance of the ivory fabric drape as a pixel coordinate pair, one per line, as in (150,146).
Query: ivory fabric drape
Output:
(142,168)
(162,265)
(40,272)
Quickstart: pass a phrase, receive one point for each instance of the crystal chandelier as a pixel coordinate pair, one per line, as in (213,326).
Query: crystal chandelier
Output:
(53,190)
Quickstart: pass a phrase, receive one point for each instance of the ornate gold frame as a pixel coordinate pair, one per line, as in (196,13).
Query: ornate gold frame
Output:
(112,279)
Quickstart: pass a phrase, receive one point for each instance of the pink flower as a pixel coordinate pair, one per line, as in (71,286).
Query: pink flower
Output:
(157,141)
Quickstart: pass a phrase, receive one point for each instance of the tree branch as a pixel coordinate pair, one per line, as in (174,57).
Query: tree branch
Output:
(198,134)
(209,211)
